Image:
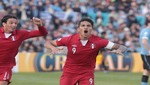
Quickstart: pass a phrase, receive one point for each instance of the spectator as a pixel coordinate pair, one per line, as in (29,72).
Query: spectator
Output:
(107,14)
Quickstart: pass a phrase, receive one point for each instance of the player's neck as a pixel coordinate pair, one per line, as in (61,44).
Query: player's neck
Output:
(84,37)
(7,31)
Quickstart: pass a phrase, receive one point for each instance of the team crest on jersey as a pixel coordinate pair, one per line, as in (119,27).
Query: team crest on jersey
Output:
(92,46)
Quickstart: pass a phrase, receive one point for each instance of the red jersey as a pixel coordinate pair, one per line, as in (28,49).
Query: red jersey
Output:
(9,46)
(81,58)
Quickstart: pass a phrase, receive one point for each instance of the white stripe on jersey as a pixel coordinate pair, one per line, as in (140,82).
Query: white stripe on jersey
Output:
(8,76)
(5,76)
(109,45)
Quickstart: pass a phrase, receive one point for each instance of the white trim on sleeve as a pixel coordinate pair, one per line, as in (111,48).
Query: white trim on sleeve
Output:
(109,45)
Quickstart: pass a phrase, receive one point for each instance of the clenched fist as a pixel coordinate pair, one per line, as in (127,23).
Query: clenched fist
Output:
(37,21)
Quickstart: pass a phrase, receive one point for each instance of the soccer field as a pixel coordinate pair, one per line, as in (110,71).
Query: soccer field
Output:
(52,78)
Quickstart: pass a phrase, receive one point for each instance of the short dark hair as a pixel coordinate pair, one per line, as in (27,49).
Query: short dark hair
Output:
(6,17)
(86,19)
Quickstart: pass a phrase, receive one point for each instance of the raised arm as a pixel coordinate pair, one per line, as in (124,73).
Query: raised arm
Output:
(35,33)
(56,46)
(39,23)
(119,49)
(116,48)
(52,46)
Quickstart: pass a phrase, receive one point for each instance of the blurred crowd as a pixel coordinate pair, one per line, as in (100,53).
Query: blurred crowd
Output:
(117,20)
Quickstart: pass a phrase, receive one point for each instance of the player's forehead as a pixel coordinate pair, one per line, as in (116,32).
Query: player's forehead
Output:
(85,23)
(12,20)
(6,17)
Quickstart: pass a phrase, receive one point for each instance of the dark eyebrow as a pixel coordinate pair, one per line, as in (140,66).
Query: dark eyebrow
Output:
(89,25)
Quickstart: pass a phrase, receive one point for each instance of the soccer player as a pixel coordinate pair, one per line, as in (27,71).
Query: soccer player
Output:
(145,52)
(10,40)
(83,48)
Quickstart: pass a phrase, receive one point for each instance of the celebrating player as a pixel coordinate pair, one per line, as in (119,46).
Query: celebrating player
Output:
(83,48)
(10,40)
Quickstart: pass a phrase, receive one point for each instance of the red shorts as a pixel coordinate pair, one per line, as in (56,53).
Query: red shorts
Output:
(80,79)
(5,74)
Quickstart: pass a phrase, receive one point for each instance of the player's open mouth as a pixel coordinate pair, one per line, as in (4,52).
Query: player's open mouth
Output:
(85,31)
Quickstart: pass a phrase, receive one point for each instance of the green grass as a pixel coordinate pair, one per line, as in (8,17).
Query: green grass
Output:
(52,78)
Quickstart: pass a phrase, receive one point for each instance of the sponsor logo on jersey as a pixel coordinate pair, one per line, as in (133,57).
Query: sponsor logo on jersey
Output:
(74,45)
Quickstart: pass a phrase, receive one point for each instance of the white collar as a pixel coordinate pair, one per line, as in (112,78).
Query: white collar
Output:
(7,35)
(84,42)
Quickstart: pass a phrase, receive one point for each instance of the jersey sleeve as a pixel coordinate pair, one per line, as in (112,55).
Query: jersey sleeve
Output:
(34,33)
(103,43)
(109,45)
(62,41)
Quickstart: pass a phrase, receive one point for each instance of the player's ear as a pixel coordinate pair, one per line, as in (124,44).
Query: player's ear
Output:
(77,30)
(3,23)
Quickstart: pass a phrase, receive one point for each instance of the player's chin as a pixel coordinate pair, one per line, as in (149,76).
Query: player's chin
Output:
(86,35)
(11,31)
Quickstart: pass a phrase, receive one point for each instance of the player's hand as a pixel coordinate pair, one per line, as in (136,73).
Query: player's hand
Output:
(37,21)
(52,49)
(119,52)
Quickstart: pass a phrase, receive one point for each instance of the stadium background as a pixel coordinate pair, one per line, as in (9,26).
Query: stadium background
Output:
(119,21)
(45,62)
